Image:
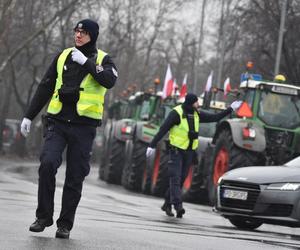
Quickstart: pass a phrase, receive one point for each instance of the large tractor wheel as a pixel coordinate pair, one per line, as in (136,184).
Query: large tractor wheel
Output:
(148,171)
(103,156)
(102,166)
(127,163)
(193,190)
(116,156)
(246,224)
(159,177)
(227,156)
(134,170)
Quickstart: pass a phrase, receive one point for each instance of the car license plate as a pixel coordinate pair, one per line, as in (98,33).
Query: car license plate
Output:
(235,194)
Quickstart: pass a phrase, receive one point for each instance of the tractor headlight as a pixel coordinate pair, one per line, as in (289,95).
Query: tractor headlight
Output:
(284,186)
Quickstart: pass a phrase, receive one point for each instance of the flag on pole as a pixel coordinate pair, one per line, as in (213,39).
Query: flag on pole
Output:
(227,86)
(209,82)
(183,89)
(168,84)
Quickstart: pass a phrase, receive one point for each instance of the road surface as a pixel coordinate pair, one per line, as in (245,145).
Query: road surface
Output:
(110,217)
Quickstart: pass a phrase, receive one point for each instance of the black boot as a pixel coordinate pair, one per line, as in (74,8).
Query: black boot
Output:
(168,209)
(179,210)
(39,225)
(63,233)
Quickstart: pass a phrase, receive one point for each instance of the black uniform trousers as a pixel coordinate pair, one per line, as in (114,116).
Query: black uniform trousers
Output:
(78,139)
(178,166)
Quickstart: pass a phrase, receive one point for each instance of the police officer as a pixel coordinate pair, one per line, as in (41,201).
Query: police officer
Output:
(183,126)
(75,84)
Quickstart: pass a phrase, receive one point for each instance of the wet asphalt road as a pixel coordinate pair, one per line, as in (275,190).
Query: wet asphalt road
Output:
(110,217)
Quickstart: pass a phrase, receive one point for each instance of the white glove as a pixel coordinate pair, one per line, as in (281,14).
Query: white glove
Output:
(150,151)
(25,127)
(236,105)
(78,56)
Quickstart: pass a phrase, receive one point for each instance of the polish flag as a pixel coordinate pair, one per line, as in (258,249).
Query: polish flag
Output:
(183,89)
(209,82)
(227,86)
(168,84)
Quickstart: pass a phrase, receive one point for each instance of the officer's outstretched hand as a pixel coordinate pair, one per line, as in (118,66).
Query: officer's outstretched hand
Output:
(150,151)
(25,127)
(236,105)
(78,56)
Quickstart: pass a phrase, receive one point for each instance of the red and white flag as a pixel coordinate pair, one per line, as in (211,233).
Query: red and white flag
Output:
(227,86)
(209,82)
(183,89)
(168,84)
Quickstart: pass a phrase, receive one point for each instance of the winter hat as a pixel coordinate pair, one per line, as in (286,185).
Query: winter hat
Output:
(190,99)
(90,26)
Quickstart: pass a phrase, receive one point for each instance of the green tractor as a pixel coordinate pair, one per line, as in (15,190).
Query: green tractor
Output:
(266,131)
(122,117)
(135,150)
(155,179)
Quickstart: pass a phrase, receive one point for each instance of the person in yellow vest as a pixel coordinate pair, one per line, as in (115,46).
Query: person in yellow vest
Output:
(182,124)
(75,84)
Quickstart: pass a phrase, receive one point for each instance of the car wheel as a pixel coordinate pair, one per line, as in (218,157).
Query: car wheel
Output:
(243,223)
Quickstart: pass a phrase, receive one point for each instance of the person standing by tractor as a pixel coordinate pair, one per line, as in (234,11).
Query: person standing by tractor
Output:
(182,124)
(75,84)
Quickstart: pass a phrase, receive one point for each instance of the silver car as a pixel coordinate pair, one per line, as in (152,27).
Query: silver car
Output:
(251,196)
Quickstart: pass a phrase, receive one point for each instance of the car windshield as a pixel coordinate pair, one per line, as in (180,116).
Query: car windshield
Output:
(295,163)
(279,110)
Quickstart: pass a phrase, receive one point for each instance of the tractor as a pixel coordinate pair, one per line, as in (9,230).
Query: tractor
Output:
(141,135)
(265,131)
(122,117)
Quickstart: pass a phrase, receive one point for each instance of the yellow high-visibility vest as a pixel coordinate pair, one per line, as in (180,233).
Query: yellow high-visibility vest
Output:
(91,97)
(179,134)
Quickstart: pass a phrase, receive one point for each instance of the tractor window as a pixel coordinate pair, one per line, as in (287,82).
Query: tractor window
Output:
(163,112)
(279,110)
(145,111)
(167,111)
(249,97)
(130,111)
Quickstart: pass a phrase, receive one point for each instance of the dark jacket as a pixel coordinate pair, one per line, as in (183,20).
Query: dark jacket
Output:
(72,76)
(174,119)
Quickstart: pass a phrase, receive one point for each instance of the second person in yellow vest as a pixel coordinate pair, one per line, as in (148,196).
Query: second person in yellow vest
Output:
(182,124)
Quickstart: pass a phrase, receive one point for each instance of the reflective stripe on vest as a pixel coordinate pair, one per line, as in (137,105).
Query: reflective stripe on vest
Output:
(178,135)
(91,98)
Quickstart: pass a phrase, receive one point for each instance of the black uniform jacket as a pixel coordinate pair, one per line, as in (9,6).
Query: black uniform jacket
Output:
(73,75)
